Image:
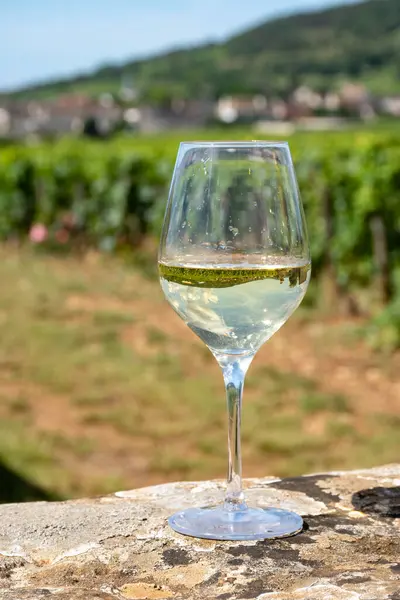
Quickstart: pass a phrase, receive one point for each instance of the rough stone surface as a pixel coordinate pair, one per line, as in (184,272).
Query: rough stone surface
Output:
(120,547)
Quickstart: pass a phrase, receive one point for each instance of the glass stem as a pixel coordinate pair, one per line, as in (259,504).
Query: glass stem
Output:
(234,369)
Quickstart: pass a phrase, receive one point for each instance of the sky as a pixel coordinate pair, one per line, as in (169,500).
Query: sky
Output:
(45,39)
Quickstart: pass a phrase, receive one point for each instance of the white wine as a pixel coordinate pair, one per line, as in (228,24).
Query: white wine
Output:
(234,309)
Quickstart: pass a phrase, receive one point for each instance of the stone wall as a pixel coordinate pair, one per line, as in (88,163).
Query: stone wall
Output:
(120,546)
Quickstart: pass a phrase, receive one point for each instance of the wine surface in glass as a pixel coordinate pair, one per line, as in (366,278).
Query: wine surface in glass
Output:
(234,309)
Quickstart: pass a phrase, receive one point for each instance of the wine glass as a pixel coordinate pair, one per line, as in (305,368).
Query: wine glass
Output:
(234,263)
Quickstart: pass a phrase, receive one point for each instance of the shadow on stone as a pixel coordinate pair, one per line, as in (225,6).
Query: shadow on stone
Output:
(382,501)
(14,488)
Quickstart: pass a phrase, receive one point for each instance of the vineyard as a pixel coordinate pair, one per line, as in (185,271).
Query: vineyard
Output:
(110,196)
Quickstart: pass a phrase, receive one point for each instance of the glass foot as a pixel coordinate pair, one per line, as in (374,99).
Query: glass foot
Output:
(251,524)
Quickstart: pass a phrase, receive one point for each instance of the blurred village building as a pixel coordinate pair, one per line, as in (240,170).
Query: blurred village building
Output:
(102,116)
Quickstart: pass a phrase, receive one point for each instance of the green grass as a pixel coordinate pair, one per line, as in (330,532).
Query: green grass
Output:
(102,387)
(316,402)
(19,405)
(156,336)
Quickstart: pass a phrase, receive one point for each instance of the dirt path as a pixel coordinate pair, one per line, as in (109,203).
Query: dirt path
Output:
(314,349)
(318,351)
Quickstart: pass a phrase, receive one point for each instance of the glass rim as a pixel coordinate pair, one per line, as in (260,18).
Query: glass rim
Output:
(250,143)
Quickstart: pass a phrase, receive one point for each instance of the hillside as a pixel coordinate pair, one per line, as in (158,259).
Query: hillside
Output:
(359,42)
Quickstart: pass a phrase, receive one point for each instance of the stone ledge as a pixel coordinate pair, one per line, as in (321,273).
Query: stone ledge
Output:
(120,547)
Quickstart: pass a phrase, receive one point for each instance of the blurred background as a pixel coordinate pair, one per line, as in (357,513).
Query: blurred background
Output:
(101,385)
